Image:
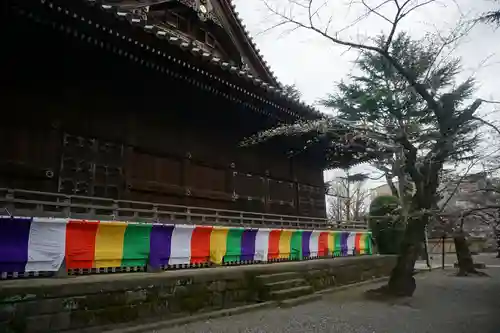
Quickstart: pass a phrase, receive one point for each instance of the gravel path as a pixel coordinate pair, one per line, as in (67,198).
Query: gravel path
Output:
(442,303)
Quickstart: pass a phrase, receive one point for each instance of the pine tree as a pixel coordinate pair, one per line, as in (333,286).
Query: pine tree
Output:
(491,17)
(381,98)
(292,91)
(419,110)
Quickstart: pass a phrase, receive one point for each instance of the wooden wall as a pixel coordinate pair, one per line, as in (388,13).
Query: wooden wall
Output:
(82,121)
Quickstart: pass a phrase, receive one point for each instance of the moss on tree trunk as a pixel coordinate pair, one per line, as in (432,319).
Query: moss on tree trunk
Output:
(464,257)
(465,262)
(402,282)
(497,238)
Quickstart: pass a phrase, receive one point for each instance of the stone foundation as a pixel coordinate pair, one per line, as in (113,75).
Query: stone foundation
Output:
(51,305)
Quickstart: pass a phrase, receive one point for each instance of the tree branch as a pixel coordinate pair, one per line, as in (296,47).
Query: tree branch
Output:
(371,10)
(487,124)
(458,185)
(419,88)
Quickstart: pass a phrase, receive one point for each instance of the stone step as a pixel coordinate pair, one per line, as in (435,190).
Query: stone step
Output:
(280,295)
(270,278)
(285,284)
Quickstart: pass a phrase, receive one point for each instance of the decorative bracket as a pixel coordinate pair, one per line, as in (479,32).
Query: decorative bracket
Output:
(204,8)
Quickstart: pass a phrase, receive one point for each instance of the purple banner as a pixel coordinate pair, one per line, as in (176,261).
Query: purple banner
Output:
(14,237)
(248,244)
(160,244)
(343,244)
(306,236)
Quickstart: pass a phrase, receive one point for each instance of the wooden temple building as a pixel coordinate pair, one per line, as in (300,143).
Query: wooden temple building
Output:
(148,100)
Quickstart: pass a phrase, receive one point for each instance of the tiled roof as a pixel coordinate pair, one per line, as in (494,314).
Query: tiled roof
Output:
(213,59)
(82,12)
(227,4)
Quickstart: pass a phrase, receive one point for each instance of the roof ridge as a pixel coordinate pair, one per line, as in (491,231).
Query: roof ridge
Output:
(276,86)
(257,51)
(252,43)
(213,59)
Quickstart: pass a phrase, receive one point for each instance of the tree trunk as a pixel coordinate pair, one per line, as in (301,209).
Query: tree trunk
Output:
(464,257)
(393,188)
(402,282)
(497,237)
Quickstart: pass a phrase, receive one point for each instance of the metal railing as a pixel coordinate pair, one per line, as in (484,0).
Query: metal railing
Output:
(47,204)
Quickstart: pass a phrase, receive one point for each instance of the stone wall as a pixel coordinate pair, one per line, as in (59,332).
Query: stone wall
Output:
(476,245)
(436,246)
(51,305)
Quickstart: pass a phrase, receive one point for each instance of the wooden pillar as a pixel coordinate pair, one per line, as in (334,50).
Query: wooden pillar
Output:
(266,192)
(186,164)
(130,141)
(186,159)
(295,185)
(230,183)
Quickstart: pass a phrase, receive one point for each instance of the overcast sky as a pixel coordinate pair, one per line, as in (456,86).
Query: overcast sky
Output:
(315,64)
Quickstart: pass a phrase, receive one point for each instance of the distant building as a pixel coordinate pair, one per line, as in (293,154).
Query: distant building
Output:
(462,190)
(466,193)
(384,189)
(381,190)
(458,194)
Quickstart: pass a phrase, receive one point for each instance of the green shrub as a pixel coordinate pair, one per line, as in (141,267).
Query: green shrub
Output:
(385,224)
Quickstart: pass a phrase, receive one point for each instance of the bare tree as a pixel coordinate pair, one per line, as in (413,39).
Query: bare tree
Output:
(481,207)
(453,119)
(468,200)
(347,199)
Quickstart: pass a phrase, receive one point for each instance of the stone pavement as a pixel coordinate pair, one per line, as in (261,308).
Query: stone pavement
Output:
(443,303)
